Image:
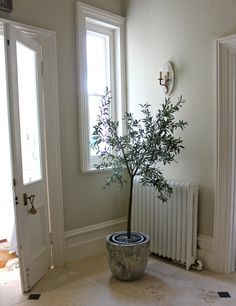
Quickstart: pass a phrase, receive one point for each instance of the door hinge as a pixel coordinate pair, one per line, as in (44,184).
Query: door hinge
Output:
(14,182)
(50,238)
(8,42)
(16,200)
(28,277)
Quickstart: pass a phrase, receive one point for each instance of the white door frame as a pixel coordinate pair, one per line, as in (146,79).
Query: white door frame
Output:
(47,39)
(224,214)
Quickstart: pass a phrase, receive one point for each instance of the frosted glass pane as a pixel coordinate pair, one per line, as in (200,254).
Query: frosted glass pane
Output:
(29,117)
(97,62)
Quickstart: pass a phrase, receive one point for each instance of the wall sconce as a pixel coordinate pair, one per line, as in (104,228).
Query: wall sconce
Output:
(167,78)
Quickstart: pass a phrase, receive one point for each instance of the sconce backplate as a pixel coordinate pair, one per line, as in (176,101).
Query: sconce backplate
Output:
(168,66)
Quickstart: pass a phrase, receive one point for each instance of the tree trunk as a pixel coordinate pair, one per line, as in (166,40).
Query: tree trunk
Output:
(130,206)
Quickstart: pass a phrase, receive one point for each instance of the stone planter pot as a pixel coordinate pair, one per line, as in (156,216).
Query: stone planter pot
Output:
(128,259)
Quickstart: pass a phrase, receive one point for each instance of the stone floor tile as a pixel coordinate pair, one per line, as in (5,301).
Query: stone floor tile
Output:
(89,282)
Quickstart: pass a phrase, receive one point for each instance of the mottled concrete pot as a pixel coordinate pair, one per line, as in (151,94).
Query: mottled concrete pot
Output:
(128,261)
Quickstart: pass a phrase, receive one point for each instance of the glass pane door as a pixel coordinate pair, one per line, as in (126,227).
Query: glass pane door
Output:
(27,71)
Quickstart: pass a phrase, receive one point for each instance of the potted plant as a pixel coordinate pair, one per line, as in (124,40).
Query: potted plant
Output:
(145,145)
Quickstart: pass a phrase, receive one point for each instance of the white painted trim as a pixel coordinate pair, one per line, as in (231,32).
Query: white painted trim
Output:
(100,15)
(205,243)
(48,41)
(224,236)
(90,240)
(53,150)
(204,251)
(117,24)
(53,153)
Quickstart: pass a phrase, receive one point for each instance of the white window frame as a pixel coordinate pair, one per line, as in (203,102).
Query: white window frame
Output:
(92,16)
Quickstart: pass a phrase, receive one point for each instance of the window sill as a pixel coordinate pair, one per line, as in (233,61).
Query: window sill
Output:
(93,170)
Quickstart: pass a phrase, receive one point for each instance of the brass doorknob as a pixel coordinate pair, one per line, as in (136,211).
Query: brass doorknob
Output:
(31,197)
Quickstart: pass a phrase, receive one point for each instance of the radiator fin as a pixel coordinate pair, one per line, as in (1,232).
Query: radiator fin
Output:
(172,226)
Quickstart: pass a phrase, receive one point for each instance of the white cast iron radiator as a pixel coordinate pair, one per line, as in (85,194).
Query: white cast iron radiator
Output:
(171,226)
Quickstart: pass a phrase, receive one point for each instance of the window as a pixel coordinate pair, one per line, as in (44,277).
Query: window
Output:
(100,47)
(99,73)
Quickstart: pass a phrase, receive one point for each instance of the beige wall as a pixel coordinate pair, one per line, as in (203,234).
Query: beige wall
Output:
(182,31)
(85,202)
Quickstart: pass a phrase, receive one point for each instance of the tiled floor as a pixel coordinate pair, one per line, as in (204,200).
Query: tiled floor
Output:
(89,283)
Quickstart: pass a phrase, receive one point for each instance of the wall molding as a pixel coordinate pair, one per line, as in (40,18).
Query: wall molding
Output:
(204,251)
(52,138)
(224,233)
(90,240)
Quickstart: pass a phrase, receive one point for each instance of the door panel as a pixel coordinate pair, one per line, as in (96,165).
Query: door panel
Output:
(29,156)
(6,203)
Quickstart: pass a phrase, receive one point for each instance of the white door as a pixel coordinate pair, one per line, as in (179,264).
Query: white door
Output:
(29,167)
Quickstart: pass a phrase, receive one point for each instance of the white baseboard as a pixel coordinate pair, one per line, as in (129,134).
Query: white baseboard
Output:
(90,240)
(204,251)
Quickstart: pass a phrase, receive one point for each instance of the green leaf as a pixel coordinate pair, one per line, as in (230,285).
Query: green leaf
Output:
(147,144)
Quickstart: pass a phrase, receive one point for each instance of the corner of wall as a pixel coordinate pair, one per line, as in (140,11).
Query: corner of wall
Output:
(90,240)
(204,251)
